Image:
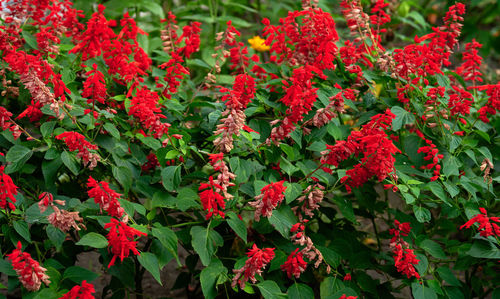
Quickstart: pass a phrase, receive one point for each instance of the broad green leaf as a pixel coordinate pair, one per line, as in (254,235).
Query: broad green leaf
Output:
(433,248)
(21,227)
(484,249)
(270,290)
(205,242)
(186,199)
(345,207)
(56,236)
(94,240)
(209,278)
(46,128)
(403,117)
(112,130)
(422,214)
(448,276)
(150,263)
(420,291)
(237,225)
(292,191)
(70,162)
(123,175)
(167,238)
(78,274)
(330,256)
(300,291)
(17,155)
(283,219)
(171,177)
(422,265)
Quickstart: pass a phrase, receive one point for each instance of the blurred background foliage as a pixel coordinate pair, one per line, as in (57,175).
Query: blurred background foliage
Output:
(409,18)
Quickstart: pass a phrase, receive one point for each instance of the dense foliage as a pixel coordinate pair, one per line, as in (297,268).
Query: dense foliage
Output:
(319,158)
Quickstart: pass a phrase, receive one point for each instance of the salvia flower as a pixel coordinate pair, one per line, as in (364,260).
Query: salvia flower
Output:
(6,123)
(470,68)
(211,199)
(121,240)
(144,107)
(106,197)
(344,296)
(84,291)
(256,262)
(487,226)
(295,264)
(271,196)
(46,200)
(76,142)
(29,271)
(7,191)
(404,257)
(94,88)
(65,220)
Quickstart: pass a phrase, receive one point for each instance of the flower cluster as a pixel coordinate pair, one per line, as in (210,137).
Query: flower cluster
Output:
(144,107)
(211,199)
(493,104)
(62,219)
(311,198)
(309,251)
(106,197)
(470,68)
(432,155)
(30,273)
(84,291)
(271,196)
(256,262)
(372,143)
(487,226)
(8,190)
(404,258)
(94,88)
(6,123)
(295,264)
(121,240)
(225,176)
(76,142)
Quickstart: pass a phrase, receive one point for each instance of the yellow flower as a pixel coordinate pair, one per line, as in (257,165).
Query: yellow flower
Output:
(257,43)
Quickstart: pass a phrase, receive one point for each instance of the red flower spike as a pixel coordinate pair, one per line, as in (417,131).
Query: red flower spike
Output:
(106,197)
(84,291)
(29,271)
(94,88)
(271,196)
(211,199)
(256,262)
(404,258)
(295,264)
(487,226)
(7,191)
(121,240)
(76,142)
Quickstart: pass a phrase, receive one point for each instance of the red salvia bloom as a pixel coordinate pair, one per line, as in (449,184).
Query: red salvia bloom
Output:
(211,200)
(256,262)
(144,107)
(432,155)
(460,101)
(121,239)
(493,104)
(379,17)
(151,163)
(46,200)
(404,258)
(94,88)
(7,191)
(487,225)
(344,296)
(29,271)
(76,142)
(6,123)
(105,197)
(295,264)
(348,277)
(84,291)
(175,72)
(271,196)
(191,37)
(470,68)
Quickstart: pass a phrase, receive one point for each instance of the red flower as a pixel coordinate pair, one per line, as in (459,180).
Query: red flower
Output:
(256,262)
(344,296)
(487,227)
(295,264)
(493,104)
(144,107)
(121,240)
(106,197)
(271,196)
(94,88)
(191,37)
(151,163)
(7,191)
(175,72)
(6,123)
(46,200)
(76,142)
(84,291)
(460,101)
(347,277)
(211,200)
(404,258)
(29,271)
(470,68)
(379,17)
(432,155)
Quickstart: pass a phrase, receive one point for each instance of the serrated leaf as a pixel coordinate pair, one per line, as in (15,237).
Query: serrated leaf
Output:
(432,248)
(56,236)
(300,291)
(237,225)
(484,249)
(403,117)
(167,238)
(171,177)
(21,227)
(112,130)
(47,128)
(283,219)
(448,276)
(78,274)
(209,278)
(420,291)
(70,162)
(94,240)
(124,176)
(205,241)
(17,155)
(270,290)
(186,199)
(422,214)
(150,263)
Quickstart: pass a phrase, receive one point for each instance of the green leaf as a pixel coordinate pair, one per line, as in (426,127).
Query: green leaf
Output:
(70,162)
(94,240)
(345,207)
(209,278)
(422,265)
(283,219)
(330,256)
(436,188)
(47,127)
(68,75)
(450,166)
(484,249)
(167,238)
(186,199)
(79,274)
(270,290)
(21,227)
(155,144)
(293,190)
(6,267)
(432,248)
(420,291)
(17,155)
(403,117)
(171,177)
(112,130)
(422,214)
(448,276)
(237,225)
(300,291)
(56,236)
(47,294)
(205,241)
(150,263)
(123,175)
(30,39)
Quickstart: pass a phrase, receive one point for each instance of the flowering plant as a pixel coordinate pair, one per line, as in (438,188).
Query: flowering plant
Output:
(316,159)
